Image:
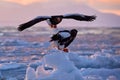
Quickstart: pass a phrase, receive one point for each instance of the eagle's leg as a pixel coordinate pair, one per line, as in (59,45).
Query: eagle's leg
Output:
(65,50)
(53,26)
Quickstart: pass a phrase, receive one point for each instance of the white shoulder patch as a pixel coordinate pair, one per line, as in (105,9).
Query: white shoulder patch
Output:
(65,34)
(48,21)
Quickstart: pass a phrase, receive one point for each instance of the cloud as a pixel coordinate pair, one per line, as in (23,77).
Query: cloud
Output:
(90,2)
(108,6)
(110,2)
(112,6)
(105,4)
(101,5)
(111,11)
(25,2)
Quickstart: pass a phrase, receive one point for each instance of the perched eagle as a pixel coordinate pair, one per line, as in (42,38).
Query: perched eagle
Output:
(63,39)
(55,19)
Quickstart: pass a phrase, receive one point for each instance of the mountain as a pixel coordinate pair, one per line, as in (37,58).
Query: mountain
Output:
(15,14)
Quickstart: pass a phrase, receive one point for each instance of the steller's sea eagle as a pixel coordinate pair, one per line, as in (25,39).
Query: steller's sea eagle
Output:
(56,19)
(63,39)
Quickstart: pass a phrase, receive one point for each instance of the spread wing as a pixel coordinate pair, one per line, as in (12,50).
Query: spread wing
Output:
(79,17)
(32,22)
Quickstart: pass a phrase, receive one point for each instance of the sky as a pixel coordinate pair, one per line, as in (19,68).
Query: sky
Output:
(108,6)
(14,12)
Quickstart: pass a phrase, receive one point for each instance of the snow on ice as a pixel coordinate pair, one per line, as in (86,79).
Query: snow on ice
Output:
(71,66)
(62,68)
(24,60)
(7,66)
(58,65)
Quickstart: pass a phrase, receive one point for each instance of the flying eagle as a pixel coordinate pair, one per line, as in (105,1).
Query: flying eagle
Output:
(55,19)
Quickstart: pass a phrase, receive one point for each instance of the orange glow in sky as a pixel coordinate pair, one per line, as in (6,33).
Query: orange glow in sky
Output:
(17,11)
(107,6)
(112,6)
(25,2)
(110,1)
(111,11)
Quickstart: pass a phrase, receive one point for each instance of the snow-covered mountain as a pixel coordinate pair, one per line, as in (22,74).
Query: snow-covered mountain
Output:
(14,14)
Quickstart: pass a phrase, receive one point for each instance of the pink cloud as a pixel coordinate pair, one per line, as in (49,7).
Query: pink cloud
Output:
(102,5)
(110,1)
(25,2)
(111,11)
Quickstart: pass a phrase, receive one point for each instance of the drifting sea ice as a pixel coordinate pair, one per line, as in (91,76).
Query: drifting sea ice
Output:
(62,68)
(98,66)
(30,74)
(10,66)
(95,61)
(71,66)
(7,66)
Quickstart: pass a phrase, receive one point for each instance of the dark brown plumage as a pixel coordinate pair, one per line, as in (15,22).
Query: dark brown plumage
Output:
(64,40)
(54,20)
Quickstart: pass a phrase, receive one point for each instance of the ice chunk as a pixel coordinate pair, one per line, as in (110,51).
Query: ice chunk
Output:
(63,68)
(6,66)
(1,76)
(94,61)
(11,78)
(30,74)
(93,77)
(46,44)
(112,78)
(41,72)
(103,73)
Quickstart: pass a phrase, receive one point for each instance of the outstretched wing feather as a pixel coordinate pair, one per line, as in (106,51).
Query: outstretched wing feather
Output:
(31,22)
(80,17)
